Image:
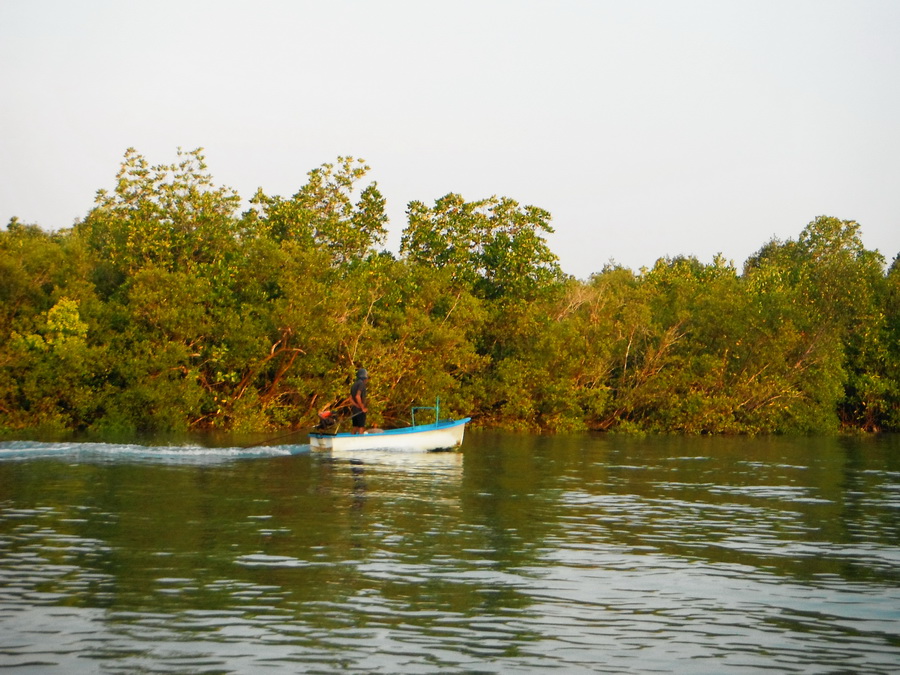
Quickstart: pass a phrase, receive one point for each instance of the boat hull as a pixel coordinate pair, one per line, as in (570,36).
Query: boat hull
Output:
(445,435)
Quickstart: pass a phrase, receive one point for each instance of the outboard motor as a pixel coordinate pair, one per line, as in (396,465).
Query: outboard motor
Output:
(327,419)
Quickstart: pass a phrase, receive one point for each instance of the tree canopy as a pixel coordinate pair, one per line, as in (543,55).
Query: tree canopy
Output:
(168,308)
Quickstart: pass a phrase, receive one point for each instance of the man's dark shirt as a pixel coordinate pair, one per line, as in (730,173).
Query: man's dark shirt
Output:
(359,387)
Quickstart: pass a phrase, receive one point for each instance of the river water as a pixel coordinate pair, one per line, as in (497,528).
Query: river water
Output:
(579,554)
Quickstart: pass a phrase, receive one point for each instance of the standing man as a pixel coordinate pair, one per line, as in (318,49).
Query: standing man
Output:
(359,401)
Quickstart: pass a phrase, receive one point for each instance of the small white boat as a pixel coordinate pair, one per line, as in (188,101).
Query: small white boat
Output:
(434,437)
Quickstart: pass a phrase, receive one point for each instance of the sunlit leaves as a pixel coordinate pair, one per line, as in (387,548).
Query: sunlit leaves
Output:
(330,212)
(166,310)
(494,245)
(170,216)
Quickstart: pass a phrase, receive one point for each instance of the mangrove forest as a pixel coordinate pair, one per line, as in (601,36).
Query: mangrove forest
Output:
(176,305)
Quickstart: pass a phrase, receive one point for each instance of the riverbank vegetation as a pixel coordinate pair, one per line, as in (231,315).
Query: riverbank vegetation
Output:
(169,307)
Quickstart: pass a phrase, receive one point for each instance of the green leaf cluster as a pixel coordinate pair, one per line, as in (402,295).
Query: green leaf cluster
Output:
(168,308)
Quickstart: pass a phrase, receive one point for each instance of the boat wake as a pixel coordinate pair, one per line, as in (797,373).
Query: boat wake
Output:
(126,452)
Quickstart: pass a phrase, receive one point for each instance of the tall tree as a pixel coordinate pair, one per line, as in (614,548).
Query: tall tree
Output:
(821,293)
(495,245)
(323,213)
(169,216)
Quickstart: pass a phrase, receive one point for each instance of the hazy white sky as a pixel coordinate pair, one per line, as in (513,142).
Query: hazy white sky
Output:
(647,128)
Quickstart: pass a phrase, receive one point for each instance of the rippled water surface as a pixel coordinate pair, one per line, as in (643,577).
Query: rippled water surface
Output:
(519,554)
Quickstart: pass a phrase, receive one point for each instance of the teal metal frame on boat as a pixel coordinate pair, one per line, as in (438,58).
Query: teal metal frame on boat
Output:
(436,407)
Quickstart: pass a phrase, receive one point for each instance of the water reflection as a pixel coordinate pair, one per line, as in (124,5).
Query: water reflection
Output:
(586,554)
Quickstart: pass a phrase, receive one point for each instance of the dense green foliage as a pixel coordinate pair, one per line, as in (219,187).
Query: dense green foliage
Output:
(167,308)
